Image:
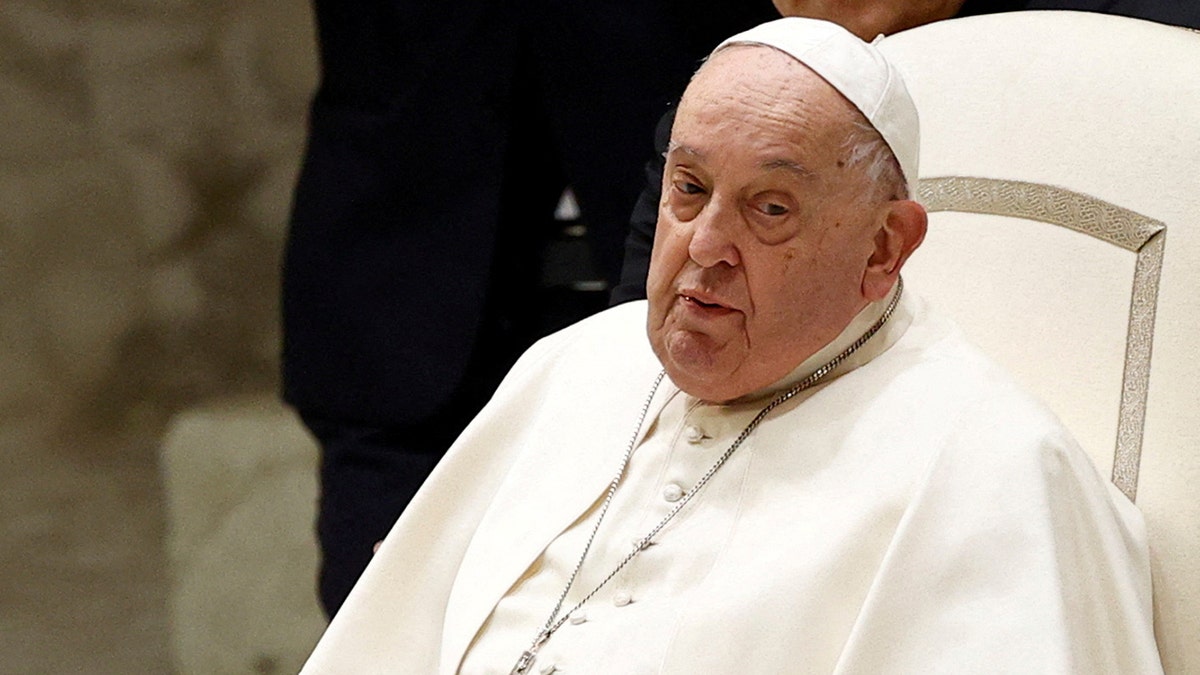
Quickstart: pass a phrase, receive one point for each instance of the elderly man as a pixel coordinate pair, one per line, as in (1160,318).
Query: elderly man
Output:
(802,469)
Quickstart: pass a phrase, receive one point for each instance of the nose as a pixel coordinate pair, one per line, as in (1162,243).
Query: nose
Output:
(712,241)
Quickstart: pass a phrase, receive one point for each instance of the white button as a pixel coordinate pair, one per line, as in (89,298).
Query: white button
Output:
(672,493)
(636,542)
(547,669)
(578,617)
(622,598)
(693,434)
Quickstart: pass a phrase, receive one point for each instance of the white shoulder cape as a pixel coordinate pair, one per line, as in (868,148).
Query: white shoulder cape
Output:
(919,514)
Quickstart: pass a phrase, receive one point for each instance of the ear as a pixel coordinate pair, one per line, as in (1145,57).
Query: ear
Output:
(901,230)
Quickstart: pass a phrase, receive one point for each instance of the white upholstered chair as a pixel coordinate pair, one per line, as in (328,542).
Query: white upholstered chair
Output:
(1083,130)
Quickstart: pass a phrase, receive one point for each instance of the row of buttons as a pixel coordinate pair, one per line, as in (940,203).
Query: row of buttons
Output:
(672,492)
(693,434)
(620,599)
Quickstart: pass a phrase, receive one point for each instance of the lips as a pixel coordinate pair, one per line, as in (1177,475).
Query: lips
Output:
(704,303)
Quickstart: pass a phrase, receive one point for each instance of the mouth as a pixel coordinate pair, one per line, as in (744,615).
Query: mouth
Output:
(705,304)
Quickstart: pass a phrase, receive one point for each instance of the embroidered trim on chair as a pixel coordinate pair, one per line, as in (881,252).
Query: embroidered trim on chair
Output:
(1107,222)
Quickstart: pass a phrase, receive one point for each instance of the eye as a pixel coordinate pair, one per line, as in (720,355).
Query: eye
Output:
(773,215)
(773,205)
(687,187)
(686,194)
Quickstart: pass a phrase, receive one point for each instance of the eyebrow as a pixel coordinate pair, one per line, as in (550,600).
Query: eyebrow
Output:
(788,165)
(672,146)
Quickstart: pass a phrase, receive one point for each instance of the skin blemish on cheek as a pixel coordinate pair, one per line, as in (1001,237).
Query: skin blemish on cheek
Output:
(841,163)
(788,259)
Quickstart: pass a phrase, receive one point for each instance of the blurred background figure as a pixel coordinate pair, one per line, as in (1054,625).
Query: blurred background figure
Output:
(422,256)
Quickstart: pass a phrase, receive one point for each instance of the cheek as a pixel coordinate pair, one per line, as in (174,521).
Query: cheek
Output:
(784,292)
(669,230)
(669,254)
(792,264)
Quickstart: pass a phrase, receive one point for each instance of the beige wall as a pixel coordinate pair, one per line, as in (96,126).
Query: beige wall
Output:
(147,155)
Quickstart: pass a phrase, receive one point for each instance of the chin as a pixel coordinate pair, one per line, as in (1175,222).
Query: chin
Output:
(696,366)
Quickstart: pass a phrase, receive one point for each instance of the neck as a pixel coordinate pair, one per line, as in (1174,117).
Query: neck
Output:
(887,335)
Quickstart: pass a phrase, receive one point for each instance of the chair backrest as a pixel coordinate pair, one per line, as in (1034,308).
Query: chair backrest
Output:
(1090,123)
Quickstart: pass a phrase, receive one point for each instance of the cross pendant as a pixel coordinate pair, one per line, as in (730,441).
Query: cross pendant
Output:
(523,663)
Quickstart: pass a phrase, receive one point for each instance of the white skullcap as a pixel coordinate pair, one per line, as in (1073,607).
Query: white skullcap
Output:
(856,69)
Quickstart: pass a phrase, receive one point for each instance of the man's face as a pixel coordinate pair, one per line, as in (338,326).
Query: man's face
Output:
(762,235)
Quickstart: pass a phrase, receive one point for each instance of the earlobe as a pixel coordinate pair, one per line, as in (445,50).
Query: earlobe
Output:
(901,230)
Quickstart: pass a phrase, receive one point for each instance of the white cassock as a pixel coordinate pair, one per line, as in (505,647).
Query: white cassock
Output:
(914,513)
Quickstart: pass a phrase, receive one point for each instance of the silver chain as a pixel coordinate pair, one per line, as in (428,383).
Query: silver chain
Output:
(554,622)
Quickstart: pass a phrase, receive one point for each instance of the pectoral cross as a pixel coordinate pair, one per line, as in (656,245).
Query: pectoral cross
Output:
(523,663)
(529,655)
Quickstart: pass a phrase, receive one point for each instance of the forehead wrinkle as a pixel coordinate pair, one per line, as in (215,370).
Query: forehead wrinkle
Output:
(735,92)
(772,164)
(779,86)
(790,166)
